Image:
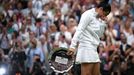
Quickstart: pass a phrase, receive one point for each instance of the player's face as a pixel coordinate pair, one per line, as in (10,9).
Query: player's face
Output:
(102,13)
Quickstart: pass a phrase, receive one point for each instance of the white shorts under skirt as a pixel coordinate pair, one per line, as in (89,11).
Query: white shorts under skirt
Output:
(87,55)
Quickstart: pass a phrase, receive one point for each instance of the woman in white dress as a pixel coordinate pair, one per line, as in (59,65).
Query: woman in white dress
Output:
(91,27)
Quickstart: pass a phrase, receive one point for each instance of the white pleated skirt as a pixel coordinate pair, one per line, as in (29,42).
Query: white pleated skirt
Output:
(87,54)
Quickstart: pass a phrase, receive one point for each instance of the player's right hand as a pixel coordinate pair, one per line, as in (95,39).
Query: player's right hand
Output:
(70,51)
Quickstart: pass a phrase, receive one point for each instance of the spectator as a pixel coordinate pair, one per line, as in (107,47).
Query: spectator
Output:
(127,29)
(115,66)
(14,39)
(62,41)
(71,25)
(46,13)
(30,26)
(44,46)
(10,29)
(58,20)
(5,41)
(29,10)
(64,31)
(37,66)
(130,61)
(2,56)
(38,28)
(110,31)
(16,26)
(54,34)
(130,38)
(105,69)
(24,35)
(37,5)
(45,49)
(18,57)
(124,46)
(31,52)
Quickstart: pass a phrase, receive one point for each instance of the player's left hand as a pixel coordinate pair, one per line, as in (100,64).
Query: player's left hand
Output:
(70,51)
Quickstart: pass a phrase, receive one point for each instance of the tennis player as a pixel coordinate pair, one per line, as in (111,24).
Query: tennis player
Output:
(87,37)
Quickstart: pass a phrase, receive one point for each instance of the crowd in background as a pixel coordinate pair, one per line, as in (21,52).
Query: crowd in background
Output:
(30,29)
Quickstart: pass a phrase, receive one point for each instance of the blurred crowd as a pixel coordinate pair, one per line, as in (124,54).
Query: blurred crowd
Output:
(31,29)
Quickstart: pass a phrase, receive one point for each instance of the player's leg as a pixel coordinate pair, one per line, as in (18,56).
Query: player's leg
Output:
(86,68)
(96,69)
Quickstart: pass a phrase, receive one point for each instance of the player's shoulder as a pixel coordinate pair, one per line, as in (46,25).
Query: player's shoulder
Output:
(89,12)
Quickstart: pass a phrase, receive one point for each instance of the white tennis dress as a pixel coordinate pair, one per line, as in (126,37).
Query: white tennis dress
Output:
(88,34)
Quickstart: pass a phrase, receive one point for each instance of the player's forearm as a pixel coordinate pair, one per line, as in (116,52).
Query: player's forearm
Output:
(75,38)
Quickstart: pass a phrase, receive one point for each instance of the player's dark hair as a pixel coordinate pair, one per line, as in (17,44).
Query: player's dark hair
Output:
(106,7)
(105,1)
